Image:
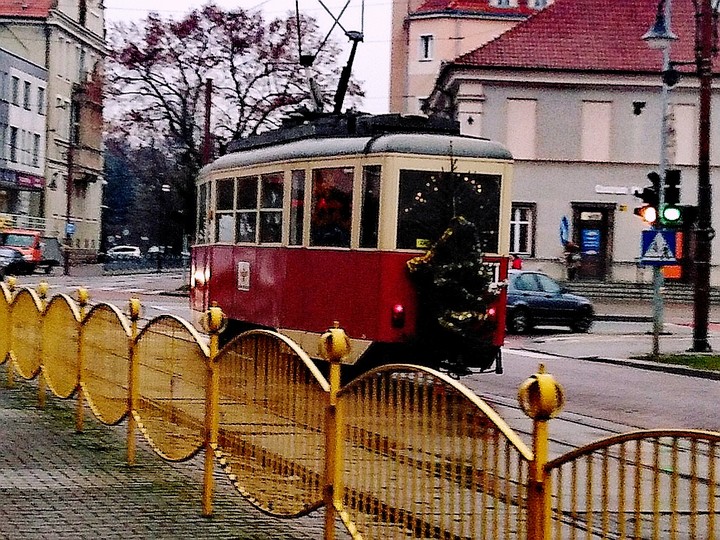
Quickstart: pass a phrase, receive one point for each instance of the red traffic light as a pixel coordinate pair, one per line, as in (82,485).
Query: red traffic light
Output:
(647,213)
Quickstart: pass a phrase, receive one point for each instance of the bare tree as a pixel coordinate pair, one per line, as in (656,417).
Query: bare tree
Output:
(157,69)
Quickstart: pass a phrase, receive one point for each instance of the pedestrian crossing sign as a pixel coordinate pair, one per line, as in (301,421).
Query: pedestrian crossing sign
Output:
(658,247)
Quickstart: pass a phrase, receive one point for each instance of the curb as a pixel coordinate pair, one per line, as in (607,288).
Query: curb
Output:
(623,318)
(643,364)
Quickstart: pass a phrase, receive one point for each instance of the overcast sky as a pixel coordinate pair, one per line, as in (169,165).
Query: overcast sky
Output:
(372,60)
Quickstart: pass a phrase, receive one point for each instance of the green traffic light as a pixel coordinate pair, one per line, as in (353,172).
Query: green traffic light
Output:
(671,214)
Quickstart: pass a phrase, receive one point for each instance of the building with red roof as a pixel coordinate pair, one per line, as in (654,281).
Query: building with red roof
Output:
(575,94)
(427,33)
(67,39)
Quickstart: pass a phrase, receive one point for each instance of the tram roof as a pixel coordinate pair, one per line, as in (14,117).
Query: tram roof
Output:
(428,144)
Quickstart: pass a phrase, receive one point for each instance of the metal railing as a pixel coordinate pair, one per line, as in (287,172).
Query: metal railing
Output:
(22,221)
(401,452)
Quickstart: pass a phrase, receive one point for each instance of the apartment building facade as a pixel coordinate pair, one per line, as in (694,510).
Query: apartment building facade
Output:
(66,38)
(23,111)
(575,94)
(426,34)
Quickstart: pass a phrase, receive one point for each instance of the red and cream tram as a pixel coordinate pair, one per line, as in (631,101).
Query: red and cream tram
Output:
(315,223)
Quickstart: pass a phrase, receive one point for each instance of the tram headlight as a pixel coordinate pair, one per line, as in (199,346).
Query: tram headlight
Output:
(398,316)
(200,277)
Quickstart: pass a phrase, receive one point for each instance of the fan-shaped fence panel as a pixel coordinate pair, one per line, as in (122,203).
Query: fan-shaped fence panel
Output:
(5,301)
(105,362)
(426,458)
(61,345)
(647,484)
(172,374)
(26,332)
(272,422)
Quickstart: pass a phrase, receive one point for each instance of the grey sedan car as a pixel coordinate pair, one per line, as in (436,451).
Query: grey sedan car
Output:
(535,299)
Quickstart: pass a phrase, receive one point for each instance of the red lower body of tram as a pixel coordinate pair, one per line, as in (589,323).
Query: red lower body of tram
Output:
(302,291)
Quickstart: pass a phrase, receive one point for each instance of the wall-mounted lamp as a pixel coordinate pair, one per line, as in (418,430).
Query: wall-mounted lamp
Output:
(53,181)
(638,107)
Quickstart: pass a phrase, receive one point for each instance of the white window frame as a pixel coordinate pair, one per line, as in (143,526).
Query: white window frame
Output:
(518,222)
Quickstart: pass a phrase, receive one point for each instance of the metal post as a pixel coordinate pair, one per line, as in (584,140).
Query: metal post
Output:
(660,36)
(133,382)
(703,232)
(215,318)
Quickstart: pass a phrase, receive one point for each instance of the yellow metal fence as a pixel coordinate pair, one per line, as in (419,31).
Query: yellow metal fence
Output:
(401,452)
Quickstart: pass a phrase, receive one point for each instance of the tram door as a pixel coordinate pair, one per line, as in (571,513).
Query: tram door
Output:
(592,226)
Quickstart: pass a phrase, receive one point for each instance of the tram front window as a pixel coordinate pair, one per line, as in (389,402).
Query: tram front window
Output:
(331,207)
(429,200)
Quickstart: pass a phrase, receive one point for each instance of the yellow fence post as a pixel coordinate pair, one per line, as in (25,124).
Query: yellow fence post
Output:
(541,398)
(42,290)
(83,298)
(215,320)
(10,383)
(334,345)
(133,373)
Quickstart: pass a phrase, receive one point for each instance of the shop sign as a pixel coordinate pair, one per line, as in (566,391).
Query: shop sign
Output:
(30,181)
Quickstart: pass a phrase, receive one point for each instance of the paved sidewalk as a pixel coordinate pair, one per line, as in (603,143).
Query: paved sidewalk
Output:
(57,484)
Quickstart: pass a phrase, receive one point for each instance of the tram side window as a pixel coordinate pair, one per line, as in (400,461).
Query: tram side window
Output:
(202,214)
(429,200)
(224,221)
(271,203)
(331,207)
(297,207)
(370,207)
(247,203)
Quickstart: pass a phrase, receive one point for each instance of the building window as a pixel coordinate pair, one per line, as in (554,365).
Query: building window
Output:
(36,150)
(15,91)
(82,12)
(595,137)
(426,47)
(41,100)
(522,222)
(683,134)
(26,95)
(521,127)
(13,144)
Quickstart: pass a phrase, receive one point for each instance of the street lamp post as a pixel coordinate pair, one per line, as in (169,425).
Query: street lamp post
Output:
(661,37)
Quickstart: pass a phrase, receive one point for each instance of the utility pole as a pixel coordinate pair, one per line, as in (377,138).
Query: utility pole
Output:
(704,232)
(72,140)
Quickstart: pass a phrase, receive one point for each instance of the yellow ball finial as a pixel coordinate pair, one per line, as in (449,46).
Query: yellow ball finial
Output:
(541,397)
(42,289)
(334,344)
(134,308)
(83,296)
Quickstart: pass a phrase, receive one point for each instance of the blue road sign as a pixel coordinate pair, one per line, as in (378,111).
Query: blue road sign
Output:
(69,229)
(658,247)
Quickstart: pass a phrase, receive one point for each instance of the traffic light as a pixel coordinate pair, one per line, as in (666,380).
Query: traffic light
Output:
(650,196)
(672,213)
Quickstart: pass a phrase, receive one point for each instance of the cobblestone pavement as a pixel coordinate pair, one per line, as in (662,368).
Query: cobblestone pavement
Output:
(59,484)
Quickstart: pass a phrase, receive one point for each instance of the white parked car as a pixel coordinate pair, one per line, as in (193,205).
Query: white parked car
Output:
(124,252)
